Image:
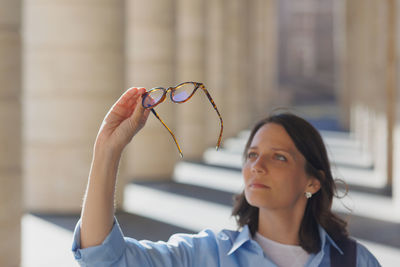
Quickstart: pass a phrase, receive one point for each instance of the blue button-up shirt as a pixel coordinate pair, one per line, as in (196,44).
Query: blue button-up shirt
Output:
(224,249)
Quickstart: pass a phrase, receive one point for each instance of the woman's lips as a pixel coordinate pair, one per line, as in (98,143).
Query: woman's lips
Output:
(258,185)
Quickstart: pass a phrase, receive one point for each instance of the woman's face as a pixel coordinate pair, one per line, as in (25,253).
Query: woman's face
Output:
(274,171)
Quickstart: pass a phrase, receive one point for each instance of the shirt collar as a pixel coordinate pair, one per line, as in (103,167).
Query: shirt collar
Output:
(323,235)
(245,236)
(240,239)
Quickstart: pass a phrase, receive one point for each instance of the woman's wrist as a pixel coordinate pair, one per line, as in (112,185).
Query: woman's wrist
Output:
(105,161)
(109,149)
(109,156)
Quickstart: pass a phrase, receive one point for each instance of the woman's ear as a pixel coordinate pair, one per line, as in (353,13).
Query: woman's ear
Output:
(314,184)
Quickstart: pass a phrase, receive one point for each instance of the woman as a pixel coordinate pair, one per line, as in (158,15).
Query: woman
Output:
(284,212)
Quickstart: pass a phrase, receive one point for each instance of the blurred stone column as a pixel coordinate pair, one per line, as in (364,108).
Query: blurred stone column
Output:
(396,109)
(266,51)
(341,61)
(355,44)
(237,93)
(214,42)
(358,77)
(10,133)
(396,147)
(73,73)
(254,35)
(150,46)
(190,37)
(396,113)
(391,84)
(368,46)
(378,93)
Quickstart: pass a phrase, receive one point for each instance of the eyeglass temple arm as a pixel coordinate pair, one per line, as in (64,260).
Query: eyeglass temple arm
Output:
(173,136)
(219,115)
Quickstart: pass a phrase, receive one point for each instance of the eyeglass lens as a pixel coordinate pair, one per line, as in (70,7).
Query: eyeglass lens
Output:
(153,97)
(182,92)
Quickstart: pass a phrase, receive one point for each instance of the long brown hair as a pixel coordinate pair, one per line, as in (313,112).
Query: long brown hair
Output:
(318,209)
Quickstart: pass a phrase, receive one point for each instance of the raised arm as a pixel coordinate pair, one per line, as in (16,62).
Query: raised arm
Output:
(125,118)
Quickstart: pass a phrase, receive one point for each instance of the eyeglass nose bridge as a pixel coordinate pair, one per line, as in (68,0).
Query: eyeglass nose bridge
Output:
(170,90)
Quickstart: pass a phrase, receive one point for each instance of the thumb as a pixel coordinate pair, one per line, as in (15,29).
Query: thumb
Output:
(139,116)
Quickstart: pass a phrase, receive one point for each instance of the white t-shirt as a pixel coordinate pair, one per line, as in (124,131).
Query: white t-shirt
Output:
(283,255)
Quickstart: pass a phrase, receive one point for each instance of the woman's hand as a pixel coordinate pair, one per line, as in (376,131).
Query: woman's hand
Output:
(125,118)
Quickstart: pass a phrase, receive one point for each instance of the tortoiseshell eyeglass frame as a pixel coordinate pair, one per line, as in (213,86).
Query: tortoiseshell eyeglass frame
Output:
(171,90)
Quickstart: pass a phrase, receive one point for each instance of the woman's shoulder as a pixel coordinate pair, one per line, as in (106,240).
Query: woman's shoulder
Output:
(350,252)
(365,257)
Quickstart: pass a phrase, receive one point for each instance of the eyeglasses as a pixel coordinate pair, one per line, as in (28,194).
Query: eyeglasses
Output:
(179,94)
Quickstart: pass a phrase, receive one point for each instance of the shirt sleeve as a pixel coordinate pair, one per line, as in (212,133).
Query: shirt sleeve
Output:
(105,254)
(119,251)
(365,258)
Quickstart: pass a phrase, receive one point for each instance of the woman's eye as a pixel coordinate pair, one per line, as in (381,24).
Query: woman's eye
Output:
(251,155)
(280,157)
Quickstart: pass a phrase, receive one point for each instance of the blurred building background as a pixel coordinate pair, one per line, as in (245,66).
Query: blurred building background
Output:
(63,63)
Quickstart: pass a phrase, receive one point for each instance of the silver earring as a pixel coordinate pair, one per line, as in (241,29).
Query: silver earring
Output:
(308,194)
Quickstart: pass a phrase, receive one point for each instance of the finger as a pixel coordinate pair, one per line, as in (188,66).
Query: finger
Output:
(129,94)
(124,106)
(139,115)
(139,107)
(135,101)
(139,97)
(132,101)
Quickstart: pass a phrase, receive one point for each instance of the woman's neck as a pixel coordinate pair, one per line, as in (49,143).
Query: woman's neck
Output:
(280,226)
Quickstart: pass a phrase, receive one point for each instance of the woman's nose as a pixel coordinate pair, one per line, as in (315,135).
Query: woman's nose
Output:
(259,166)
